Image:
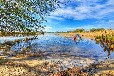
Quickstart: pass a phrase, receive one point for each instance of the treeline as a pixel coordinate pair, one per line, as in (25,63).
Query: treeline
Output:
(91,30)
(79,30)
(18,33)
(98,29)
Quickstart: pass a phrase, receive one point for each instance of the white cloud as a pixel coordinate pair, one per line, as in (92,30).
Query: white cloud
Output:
(48,28)
(86,27)
(85,9)
(57,18)
(100,24)
(107,24)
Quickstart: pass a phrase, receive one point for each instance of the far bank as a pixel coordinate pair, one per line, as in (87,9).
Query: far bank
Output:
(90,35)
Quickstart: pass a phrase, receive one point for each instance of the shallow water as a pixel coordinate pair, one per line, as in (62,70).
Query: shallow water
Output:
(12,38)
(58,48)
(51,43)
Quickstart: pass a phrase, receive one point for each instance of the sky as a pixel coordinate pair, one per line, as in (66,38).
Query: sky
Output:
(78,14)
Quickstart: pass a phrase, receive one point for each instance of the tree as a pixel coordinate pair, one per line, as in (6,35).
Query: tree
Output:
(92,30)
(79,30)
(96,29)
(24,15)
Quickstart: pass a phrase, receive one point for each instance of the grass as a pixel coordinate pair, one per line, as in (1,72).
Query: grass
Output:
(91,35)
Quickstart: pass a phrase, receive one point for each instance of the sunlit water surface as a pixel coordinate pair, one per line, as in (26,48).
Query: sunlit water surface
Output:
(58,47)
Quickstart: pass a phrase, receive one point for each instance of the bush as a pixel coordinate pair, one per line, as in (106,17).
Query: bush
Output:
(79,30)
(98,29)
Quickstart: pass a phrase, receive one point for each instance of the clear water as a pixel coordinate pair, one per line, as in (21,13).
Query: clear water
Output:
(63,51)
(11,38)
(53,44)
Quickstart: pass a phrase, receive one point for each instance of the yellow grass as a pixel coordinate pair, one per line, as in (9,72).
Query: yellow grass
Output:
(90,35)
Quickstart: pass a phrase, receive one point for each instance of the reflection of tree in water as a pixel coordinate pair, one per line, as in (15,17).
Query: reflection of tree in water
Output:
(17,46)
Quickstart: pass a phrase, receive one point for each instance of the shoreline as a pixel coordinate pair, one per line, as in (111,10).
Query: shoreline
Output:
(90,35)
(39,66)
(55,65)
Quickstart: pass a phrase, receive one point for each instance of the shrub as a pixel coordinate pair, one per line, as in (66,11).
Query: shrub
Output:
(79,30)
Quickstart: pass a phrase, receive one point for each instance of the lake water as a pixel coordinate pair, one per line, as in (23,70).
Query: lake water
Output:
(53,43)
(58,47)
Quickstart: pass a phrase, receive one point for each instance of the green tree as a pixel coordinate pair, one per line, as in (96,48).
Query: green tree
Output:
(96,29)
(24,15)
(92,30)
(79,30)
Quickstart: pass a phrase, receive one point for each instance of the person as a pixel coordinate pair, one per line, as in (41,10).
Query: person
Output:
(77,38)
(74,38)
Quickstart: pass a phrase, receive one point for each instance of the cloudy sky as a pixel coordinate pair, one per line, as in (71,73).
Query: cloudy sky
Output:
(82,14)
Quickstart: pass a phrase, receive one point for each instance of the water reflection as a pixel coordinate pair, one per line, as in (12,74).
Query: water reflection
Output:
(52,44)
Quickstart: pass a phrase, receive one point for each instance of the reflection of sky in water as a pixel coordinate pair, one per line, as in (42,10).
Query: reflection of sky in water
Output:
(11,38)
(52,43)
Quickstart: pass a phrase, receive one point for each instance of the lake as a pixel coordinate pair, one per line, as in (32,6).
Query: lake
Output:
(58,48)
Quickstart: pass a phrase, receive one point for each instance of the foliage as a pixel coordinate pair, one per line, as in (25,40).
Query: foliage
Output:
(107,41)
(79,30)
(18,33)
(24,15)
(96,29)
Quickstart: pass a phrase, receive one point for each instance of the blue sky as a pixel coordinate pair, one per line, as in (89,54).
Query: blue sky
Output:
(82,14)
